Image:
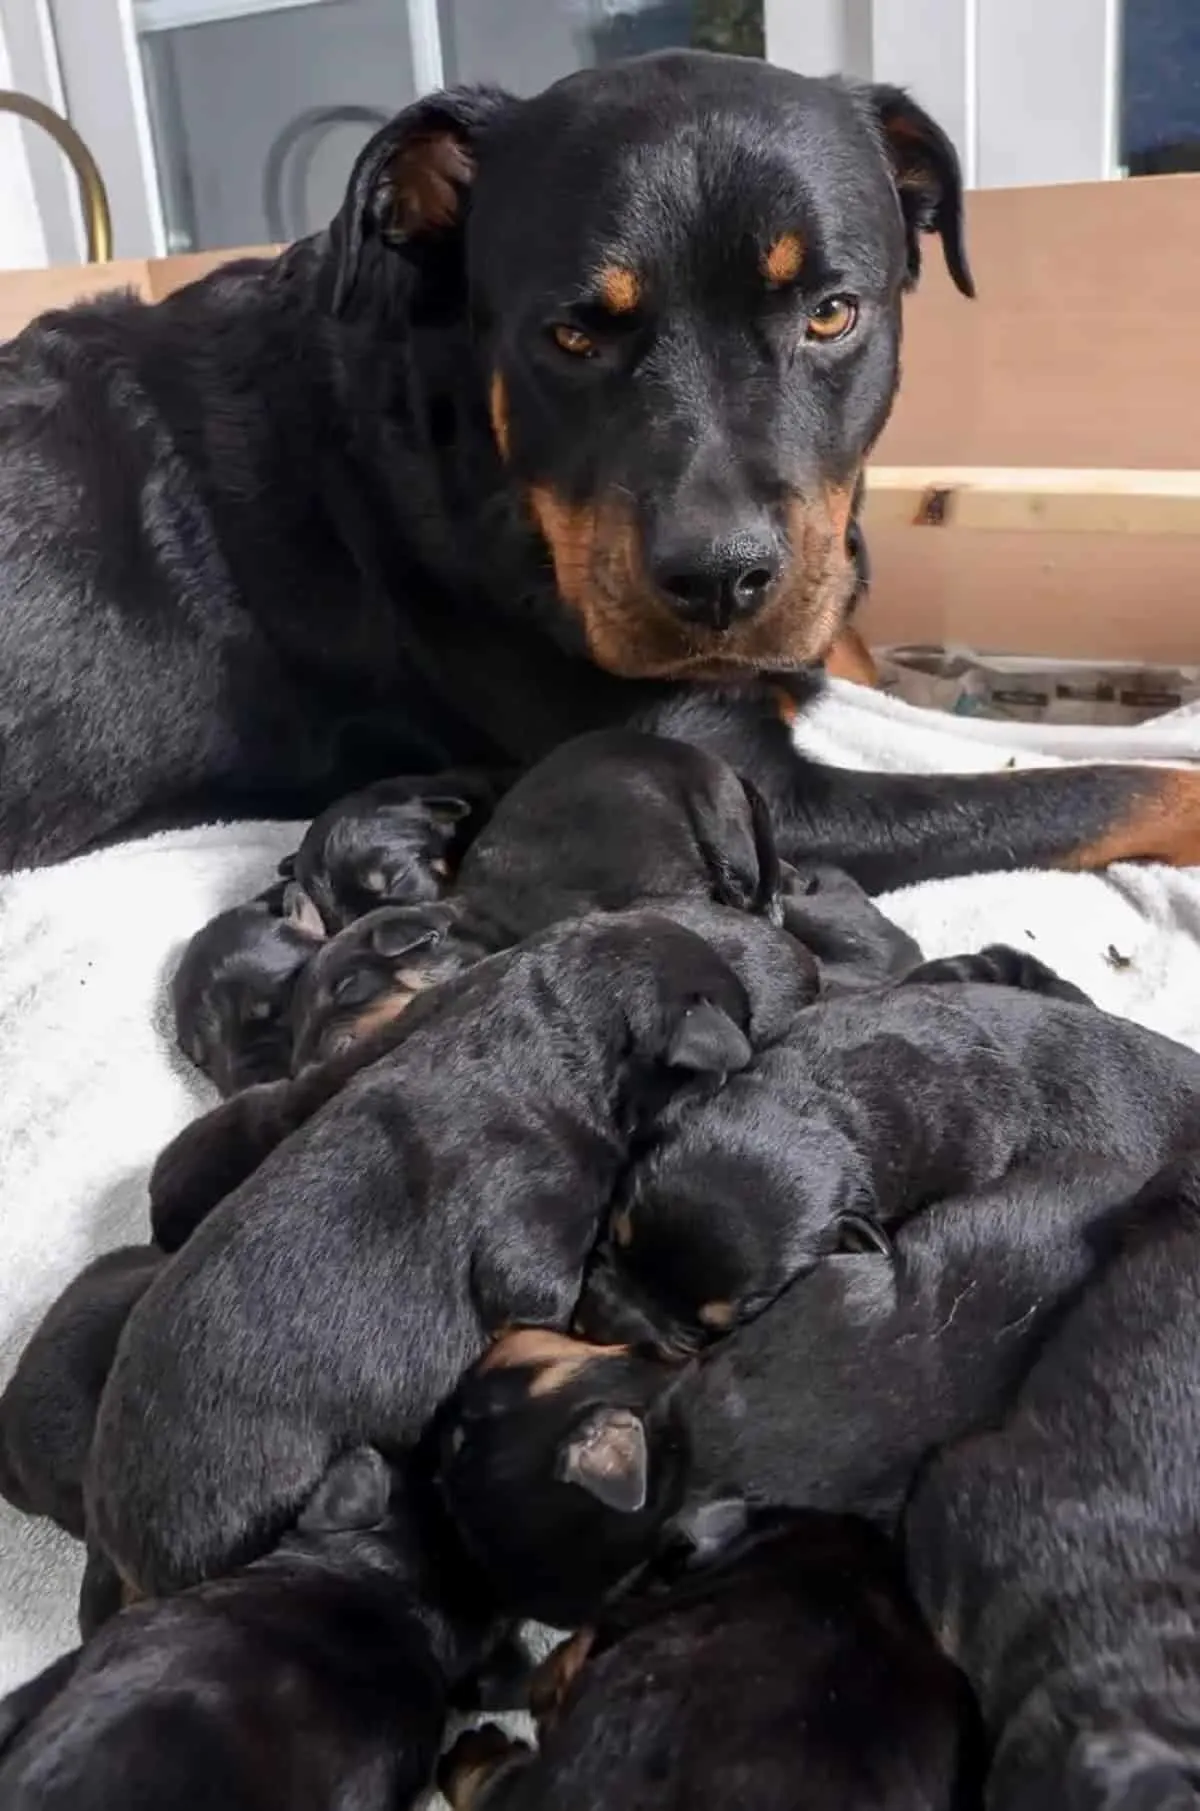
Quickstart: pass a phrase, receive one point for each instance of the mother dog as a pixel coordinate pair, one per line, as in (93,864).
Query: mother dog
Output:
(561,423)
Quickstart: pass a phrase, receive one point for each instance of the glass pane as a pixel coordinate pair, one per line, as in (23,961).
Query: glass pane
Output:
(1160,87)
(258,107)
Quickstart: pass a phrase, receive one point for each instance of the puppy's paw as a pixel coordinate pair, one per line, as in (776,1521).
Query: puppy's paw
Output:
(999,965)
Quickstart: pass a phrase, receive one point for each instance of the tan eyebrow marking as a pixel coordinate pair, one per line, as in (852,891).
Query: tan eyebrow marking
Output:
(620,290)
(782,263)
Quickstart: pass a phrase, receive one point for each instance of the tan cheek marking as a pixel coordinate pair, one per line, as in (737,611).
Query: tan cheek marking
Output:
(622,1229)
(498,410)
(782,263)
(620,290)
(850,658)
(556,1675)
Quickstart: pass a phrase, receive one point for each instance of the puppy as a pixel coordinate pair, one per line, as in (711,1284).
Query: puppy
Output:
(318,1675)
(798,1655)
(232,988)
(567,1465)
(1056,1553)
(48,1409)
(217,1152)
(869,1108)
(367,975)
(855,944)
(398,841)
(451,1189)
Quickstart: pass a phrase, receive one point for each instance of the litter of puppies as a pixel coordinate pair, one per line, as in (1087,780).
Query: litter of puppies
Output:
(609,1224)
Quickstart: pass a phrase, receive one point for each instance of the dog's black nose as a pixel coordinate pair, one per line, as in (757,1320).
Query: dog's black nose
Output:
(715,583)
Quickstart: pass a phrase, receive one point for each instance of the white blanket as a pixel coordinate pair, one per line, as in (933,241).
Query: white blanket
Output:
(91,1086)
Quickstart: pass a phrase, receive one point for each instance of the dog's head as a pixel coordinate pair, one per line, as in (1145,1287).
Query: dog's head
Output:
(560,1463)
(234,984)
(365,853)
(370,973)
(689,344)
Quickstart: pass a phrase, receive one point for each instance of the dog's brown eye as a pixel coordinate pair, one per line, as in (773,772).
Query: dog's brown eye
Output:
(832,319)
(573,340)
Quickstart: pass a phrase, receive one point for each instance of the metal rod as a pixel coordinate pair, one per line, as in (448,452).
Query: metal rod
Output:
(93,196)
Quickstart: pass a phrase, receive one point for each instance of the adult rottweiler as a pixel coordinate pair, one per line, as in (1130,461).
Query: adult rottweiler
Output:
(462,476)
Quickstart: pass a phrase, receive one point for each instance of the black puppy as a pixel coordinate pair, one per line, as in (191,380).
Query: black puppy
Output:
(854,942)
(1057,1553)
(216,1152)
(396,842)
(366,976)
(48,1408)
(566,1465)
(232,988)
(451,1189)
(794,1668)
(320,1675)
(867,1110)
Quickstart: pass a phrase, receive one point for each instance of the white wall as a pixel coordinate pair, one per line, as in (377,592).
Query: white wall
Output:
(22,241)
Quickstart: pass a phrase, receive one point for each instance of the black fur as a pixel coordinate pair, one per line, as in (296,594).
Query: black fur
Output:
(871,1107)
(232,990)
(48,1408)
(566,1465)
(318,1675)
(397,842)
(1056,1554)
(355,511)
(796,1662)
(451,1189)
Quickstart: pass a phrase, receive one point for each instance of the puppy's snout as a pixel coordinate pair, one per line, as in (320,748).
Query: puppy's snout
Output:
(715,582)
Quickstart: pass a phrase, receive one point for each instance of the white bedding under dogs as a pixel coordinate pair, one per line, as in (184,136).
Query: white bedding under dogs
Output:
(91,1086)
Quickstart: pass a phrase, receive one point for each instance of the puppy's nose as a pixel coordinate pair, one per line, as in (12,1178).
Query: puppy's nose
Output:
(716,583)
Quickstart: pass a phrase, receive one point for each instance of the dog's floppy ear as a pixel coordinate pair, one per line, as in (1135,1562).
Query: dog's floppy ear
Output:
(406,930)
(707,1042)
(607,1456)
(448,811)
(411,179)
(928,180)
(354,1493)
(300,912)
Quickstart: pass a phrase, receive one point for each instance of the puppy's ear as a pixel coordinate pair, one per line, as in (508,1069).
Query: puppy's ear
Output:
(411,180)
(300,911)
(708,1528)
(287,868)
(354,1493)
(707,1042)
(403,933)
(607,1456)
(928,178)
(448,811)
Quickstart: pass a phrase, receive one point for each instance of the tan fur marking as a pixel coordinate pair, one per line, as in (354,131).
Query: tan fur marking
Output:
(498,410)
(554,1357)
(715,1314)
(620,290)
(850,658)
(782,263)
(622,1228)
(554,1678)
(1162,825)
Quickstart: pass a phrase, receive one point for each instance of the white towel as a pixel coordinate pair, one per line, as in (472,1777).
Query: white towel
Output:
(91,1086)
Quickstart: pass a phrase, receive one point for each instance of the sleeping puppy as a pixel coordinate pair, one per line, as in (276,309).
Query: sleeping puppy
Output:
(798,1655)
(869,1108)
(210,1157)
(366,976)
(233,985)
(567,1465)
(398,841)
(1056,1553)
(48,1408)
(319,1675)
(451,1189)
